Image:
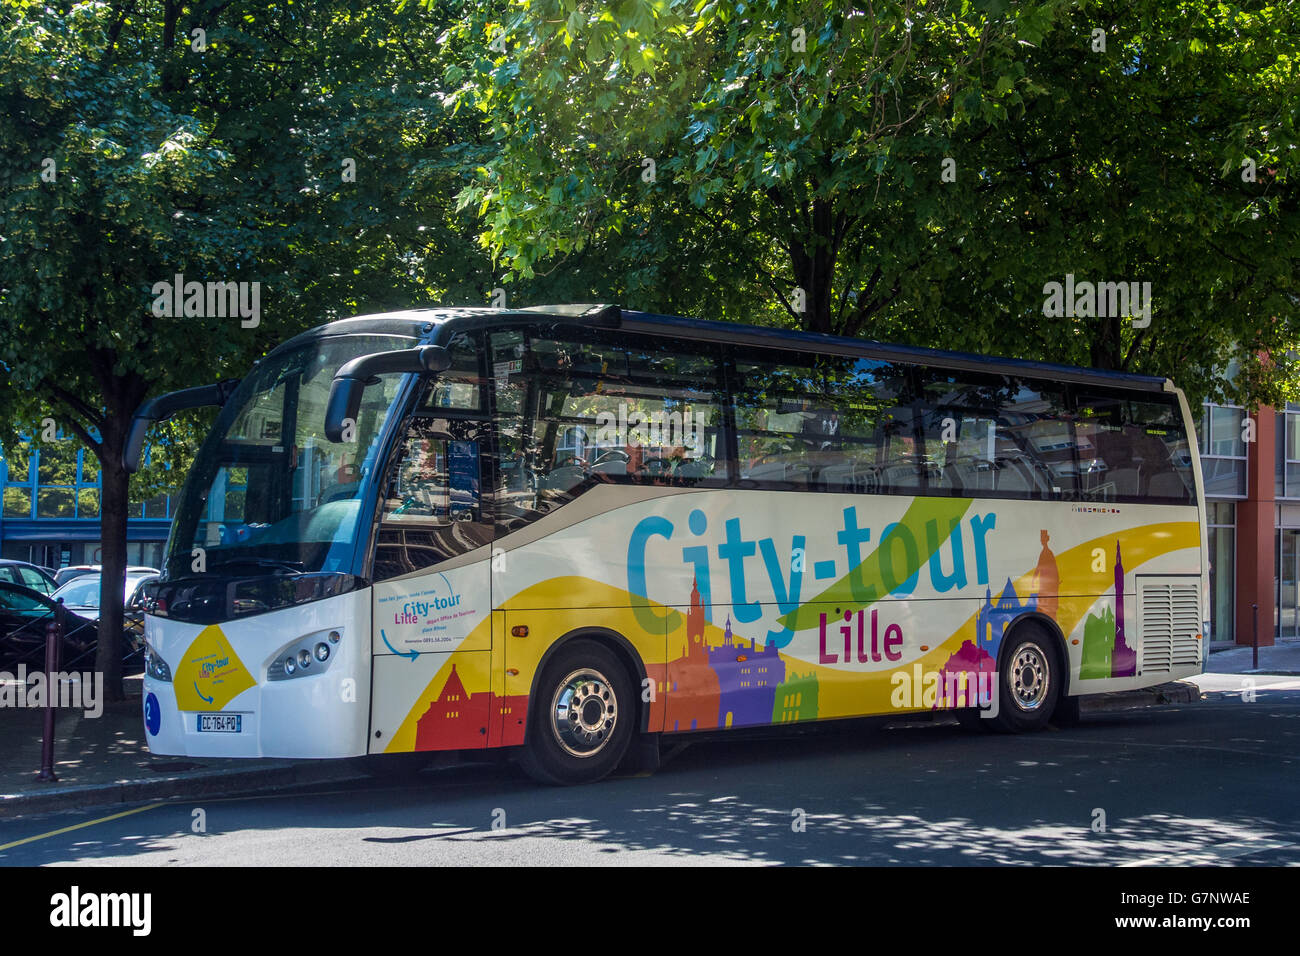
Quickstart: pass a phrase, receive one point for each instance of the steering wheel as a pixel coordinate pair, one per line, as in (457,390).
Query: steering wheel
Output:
(656,466)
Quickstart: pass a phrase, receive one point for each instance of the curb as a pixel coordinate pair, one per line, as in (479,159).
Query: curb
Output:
(1173,692)
(209,783)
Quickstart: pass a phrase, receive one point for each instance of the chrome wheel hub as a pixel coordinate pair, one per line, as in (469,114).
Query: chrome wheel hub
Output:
(1030,677)
(584,712)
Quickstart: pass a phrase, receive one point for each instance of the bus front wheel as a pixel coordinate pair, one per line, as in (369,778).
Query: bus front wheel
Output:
(583,716)
(1030,681)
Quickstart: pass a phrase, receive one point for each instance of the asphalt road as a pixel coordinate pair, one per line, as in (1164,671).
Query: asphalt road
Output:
(1213,782)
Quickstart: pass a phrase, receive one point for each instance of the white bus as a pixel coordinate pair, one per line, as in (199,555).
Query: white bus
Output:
(570,530)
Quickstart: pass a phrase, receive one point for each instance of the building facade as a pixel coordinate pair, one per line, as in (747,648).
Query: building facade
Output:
(1252,490)
(51,509)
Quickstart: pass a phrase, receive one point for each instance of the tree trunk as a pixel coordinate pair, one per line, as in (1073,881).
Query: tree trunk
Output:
(813,263)
(112,523)
(1106,345)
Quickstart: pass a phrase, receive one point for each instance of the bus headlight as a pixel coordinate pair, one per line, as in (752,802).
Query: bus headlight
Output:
(154,666)
(308,655)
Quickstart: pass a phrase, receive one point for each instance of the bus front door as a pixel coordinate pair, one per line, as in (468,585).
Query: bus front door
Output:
(432,623)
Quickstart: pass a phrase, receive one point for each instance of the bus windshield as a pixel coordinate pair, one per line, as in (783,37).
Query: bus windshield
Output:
(268,491)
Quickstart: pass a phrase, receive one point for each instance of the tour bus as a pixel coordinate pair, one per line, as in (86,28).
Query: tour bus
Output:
(570,530)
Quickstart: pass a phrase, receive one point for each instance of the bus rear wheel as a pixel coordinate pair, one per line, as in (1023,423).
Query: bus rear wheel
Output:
(584,717)
(1030,681)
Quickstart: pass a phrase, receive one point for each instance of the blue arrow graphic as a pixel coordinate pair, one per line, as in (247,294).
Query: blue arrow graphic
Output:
(200,693)
(411,654)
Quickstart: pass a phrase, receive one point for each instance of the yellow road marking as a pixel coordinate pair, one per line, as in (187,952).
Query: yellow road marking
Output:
(77,826)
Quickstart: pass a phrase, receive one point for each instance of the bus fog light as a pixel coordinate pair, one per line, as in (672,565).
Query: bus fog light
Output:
(289,666)
(322,652)
(304,658)
(334,637)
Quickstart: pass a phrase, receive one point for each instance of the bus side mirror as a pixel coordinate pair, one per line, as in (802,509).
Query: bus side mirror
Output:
(164,407)
(351,380)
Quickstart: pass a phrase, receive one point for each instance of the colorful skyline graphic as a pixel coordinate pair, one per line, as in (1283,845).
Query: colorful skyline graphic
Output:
(737,682)
(459,720)
(1106,650)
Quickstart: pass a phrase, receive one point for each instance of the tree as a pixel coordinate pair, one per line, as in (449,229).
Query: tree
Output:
(920,170)
(298,152)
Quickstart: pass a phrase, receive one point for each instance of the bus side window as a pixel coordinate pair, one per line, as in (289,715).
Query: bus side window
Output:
(432,505)
(1137,449)
(1035,452)
(577,408)
(823,423)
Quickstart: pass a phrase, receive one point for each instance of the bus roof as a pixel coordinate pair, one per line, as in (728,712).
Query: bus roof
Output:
(422,323)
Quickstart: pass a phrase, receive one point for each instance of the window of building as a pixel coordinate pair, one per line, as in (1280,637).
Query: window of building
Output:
(18,502)
(16,461)
(1287,460)
(55,503)
(88,503)
(1223,453)
(1221,529)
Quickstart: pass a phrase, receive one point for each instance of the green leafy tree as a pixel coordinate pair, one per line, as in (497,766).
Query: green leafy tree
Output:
(309,151)
(917,171)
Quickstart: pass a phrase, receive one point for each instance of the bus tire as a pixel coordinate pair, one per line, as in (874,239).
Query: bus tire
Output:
(1029,681)
(584,716)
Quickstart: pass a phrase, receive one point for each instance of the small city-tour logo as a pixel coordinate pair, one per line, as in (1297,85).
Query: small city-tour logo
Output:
(429,605)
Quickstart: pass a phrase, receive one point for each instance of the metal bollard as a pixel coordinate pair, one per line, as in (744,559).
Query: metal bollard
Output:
(53,638)
(1254,654)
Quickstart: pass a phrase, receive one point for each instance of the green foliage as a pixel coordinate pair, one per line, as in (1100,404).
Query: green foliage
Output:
(131,152)
(800,144)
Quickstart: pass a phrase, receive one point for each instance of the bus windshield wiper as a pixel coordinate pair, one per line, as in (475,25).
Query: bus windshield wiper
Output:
(292,566)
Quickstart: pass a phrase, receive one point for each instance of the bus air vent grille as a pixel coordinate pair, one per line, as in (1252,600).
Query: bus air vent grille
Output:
(1170,610)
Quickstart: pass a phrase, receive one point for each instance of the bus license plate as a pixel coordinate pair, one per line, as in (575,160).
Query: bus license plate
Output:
(220,723)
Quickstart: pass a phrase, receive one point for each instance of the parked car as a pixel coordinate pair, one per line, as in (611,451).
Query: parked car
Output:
(81,594)
(24,614)
(64,575)
(28,575)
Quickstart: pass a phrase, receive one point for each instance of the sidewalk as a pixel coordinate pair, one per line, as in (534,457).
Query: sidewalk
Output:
(1282,659)
(105,761)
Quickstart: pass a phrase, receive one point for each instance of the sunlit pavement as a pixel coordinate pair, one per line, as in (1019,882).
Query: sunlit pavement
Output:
(1213,782)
